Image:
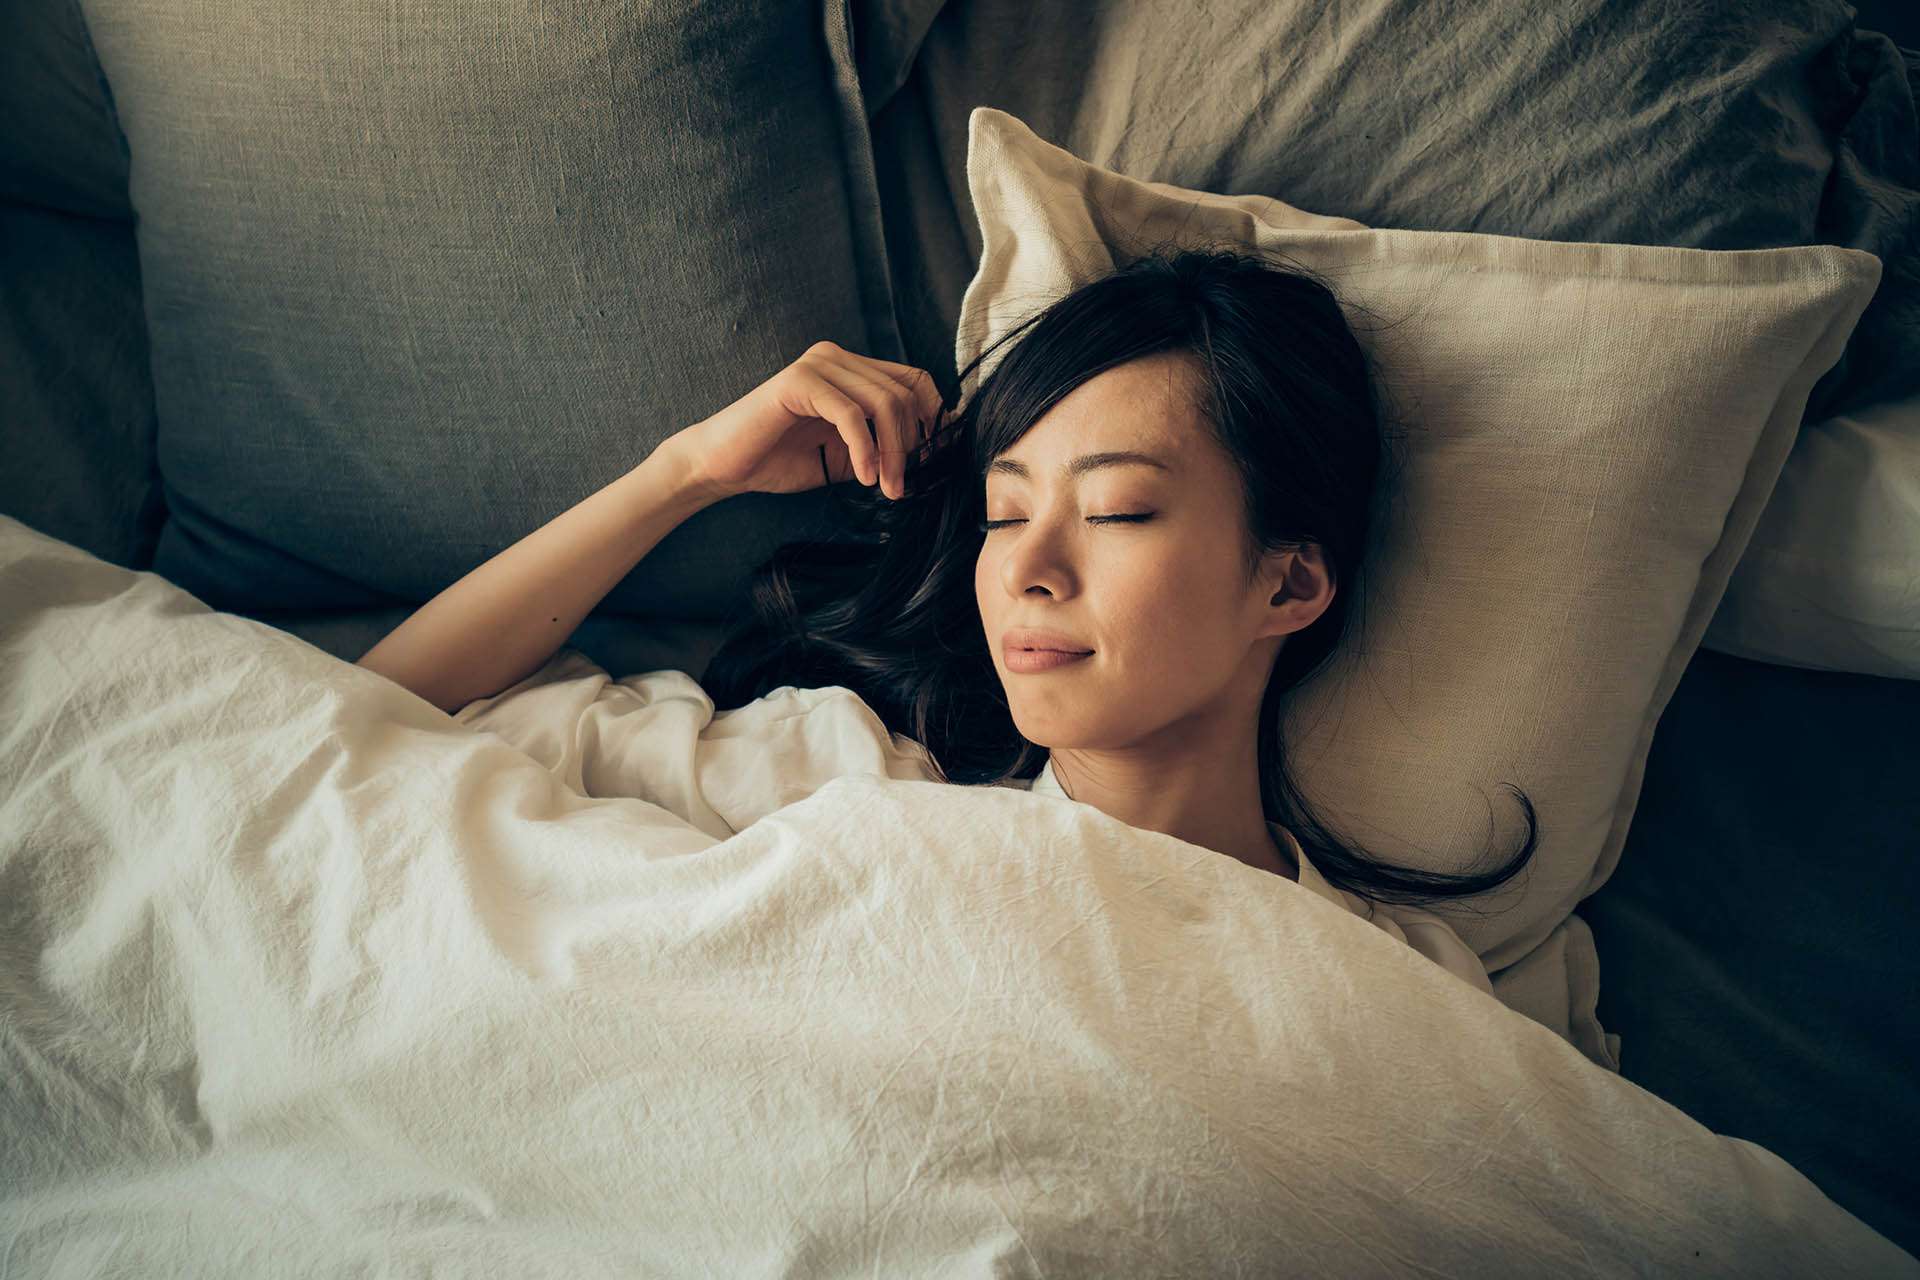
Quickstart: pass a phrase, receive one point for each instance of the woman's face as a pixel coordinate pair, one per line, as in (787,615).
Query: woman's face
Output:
(1175,638)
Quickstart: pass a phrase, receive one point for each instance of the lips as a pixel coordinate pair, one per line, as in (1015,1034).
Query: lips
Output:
(1027,662)
(1038,639)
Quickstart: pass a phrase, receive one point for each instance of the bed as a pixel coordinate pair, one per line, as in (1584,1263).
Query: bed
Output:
(306,314)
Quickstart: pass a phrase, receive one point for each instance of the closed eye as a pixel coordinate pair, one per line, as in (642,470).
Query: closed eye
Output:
(988,526)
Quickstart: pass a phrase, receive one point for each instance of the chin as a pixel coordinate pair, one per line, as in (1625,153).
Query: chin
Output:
(1050,733)
(1040,733)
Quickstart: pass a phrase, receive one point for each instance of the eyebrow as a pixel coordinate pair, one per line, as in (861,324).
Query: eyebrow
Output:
(1084,463)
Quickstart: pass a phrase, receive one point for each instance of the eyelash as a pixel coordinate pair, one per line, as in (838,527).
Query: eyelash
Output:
(988,526)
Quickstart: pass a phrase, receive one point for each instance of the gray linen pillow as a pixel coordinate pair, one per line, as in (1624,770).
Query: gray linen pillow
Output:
(76,408)
(59,144)
(1727,124)
(420,277)
(76,405)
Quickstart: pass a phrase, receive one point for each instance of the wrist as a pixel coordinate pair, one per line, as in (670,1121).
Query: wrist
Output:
(676,470)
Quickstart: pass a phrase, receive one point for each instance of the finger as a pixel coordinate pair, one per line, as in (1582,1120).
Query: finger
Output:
(888,423)
(920,385)
(849,420)
(892,415)
(835,463)
(917,382)
(908,404)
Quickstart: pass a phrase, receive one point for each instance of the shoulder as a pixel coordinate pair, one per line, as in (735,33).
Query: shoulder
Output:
(1435,939)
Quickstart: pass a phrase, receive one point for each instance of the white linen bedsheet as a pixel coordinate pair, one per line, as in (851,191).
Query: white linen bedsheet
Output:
(300,976)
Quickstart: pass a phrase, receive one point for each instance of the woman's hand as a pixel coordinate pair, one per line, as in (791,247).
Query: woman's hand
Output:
(774,438)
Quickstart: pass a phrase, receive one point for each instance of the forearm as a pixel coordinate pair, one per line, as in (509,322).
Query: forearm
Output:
(499,623)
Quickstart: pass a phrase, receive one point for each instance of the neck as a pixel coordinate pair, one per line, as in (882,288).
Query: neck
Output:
(1203,788)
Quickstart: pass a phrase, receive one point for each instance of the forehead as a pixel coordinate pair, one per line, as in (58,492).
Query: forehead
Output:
(1146,406)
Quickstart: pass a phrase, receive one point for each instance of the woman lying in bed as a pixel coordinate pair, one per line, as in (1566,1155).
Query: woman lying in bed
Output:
(1104,575)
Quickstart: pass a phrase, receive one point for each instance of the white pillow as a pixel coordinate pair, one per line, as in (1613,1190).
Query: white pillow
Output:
(1594,430)
(1831,578)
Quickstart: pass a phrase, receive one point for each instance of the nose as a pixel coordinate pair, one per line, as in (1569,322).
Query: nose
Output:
(1036,557)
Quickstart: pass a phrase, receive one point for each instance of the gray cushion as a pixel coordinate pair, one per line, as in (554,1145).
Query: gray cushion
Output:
(59,144)
(420,277)
(76,404)
(1719,125)
(76,408)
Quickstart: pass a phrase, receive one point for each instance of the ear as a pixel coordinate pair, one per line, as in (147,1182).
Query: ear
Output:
(1299,586)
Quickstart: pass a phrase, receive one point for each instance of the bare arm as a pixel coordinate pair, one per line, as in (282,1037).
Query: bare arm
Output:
(805,426)
(500,622)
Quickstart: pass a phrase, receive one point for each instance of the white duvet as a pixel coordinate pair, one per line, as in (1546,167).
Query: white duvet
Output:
(300,976)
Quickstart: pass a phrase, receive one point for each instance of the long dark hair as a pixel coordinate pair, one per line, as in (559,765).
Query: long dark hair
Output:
(891,614)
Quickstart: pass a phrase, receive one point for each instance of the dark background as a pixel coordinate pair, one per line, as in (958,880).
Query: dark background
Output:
(1897,18)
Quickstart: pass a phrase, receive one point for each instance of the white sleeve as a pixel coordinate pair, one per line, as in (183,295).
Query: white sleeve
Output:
(1435,939)
(655,737)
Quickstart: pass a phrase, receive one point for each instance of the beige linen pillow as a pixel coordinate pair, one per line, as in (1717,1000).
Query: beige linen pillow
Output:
(1593,432)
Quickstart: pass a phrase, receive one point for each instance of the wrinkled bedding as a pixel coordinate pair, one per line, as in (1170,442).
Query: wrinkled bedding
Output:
(300,976)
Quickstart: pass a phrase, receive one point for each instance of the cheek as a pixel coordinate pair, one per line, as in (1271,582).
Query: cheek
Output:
(1172,606)
(989,597)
